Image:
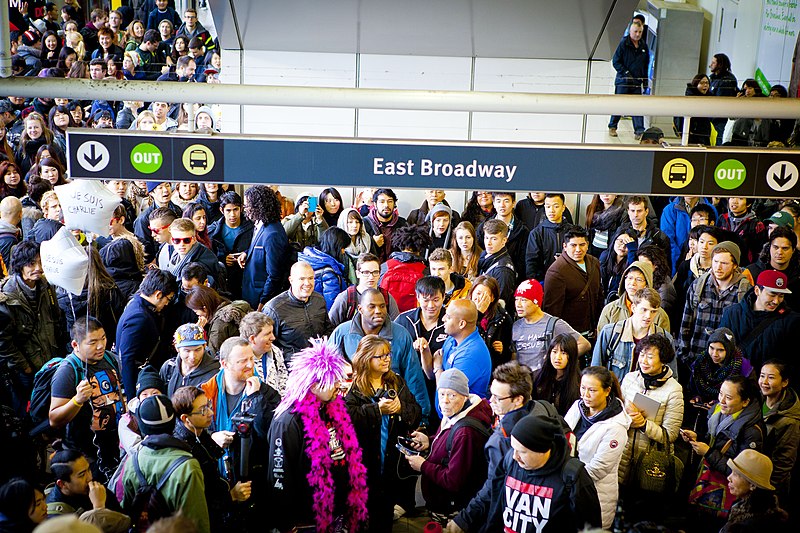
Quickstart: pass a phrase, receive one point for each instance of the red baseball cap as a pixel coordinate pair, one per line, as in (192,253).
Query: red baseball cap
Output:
(774,280)
(530,289)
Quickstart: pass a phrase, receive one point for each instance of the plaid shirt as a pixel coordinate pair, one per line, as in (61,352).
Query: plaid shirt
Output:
(699,323)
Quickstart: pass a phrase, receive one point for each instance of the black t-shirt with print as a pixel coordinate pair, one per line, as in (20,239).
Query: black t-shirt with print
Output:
(100,415)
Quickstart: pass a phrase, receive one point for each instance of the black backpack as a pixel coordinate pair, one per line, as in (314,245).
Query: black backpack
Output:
(39,406)
(469,422)
(149,505)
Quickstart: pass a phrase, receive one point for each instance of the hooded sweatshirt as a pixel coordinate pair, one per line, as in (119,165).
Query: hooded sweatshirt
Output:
(363,242)
(174,378)
(442,241)
(783,438)
(620,309)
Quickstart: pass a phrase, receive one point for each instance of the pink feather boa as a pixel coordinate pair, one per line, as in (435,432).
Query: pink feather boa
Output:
(319,453)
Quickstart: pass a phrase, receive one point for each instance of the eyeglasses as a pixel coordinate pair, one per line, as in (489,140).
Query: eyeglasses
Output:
(370,273)
(158,230)
(184,240)
(383,357)
(499,398)
(207,408)
(636,280)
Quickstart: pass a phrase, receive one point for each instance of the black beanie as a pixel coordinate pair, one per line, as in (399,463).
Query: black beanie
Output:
(537,433)
(156,415)
(149,379)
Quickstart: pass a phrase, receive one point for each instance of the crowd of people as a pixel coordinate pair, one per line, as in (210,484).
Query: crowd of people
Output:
(245,360)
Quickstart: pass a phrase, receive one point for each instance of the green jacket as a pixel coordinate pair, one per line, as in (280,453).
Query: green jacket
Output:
(185,489)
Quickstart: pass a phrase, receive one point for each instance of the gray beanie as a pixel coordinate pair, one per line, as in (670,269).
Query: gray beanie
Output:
(725,337)
(454,379)
(730,247)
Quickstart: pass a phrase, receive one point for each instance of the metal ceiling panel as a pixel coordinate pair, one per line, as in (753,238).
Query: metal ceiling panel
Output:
(541,29)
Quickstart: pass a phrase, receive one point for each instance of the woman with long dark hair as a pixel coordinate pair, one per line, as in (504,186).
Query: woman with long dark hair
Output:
(699,127)
(351,221)
(604,215)
(196,212)
(22,506)
(6,152)
(466,250)
(662,280)
(66,58)
(600,424)
(382,409)
(59,119)
(333,268)
(51,170)
(331,201)
(101,296)
(559,380)
(734,424)
(51,49)
(11,183)
(494,322)
(180,47)
(217,315)
(479,207)
(613,264)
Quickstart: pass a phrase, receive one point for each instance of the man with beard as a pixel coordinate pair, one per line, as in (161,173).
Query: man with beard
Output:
(383,220)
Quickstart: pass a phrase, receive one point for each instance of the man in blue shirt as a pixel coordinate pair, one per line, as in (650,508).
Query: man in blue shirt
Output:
(464,348)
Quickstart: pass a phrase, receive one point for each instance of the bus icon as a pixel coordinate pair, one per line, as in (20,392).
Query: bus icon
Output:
(198,158)
(677,172)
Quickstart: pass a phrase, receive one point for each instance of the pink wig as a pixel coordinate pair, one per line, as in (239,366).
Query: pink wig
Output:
(319,364)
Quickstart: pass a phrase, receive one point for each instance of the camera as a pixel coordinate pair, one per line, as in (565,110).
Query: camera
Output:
(389,394)
(242,426)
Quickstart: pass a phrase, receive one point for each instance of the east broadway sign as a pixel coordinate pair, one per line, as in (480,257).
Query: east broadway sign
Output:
(568,168)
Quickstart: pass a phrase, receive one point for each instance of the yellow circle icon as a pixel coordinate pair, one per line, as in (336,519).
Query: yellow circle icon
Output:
(198,160)
(677,173)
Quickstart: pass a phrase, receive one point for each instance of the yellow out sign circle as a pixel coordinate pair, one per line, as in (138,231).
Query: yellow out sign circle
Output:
(677,173)
(198,160)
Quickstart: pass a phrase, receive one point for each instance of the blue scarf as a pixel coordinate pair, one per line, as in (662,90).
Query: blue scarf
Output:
(222,420)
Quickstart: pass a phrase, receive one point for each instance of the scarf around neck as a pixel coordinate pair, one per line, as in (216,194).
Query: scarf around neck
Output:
(319,476)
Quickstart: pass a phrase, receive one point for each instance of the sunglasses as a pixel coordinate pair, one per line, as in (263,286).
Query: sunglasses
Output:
(158,230)
(184,240)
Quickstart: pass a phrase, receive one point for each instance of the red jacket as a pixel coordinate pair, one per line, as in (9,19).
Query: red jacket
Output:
(450,488)
(403,271)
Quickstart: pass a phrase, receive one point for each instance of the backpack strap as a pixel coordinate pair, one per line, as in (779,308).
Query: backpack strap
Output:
(352,301)
(569,474)
(139,475)
(469,422)
(549,329)
(174,466)
(616,338)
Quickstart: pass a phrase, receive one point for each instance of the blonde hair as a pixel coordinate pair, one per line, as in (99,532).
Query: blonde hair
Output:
(183,224)
(143,114)
(46,197)
(75,41)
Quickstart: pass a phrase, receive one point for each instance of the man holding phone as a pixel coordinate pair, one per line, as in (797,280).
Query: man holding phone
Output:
(306,226)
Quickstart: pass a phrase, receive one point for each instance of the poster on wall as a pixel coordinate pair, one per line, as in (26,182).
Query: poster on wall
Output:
(776,45)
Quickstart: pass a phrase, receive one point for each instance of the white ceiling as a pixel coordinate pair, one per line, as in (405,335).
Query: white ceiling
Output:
(541,29)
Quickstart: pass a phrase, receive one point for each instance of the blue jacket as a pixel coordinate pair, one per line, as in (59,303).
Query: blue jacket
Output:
(329,274)
(631,63)
(472,358)
(675,223)
(405,361)
(266,269)
(138,335)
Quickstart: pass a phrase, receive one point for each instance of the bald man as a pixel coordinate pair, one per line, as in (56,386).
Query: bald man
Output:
(464,349)
(10,217)
(299,313)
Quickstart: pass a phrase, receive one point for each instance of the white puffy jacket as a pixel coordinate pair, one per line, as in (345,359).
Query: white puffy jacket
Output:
(601,449)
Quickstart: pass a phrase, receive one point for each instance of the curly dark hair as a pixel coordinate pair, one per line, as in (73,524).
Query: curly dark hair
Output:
(263,204)
(780,231)
(659,341)
(412,237)
(656,255)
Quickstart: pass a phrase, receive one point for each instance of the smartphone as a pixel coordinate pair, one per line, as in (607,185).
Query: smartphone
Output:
(406,441)
(312,203)
(406,451)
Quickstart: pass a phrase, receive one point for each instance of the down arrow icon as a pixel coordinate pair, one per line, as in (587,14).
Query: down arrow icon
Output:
(93,156)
